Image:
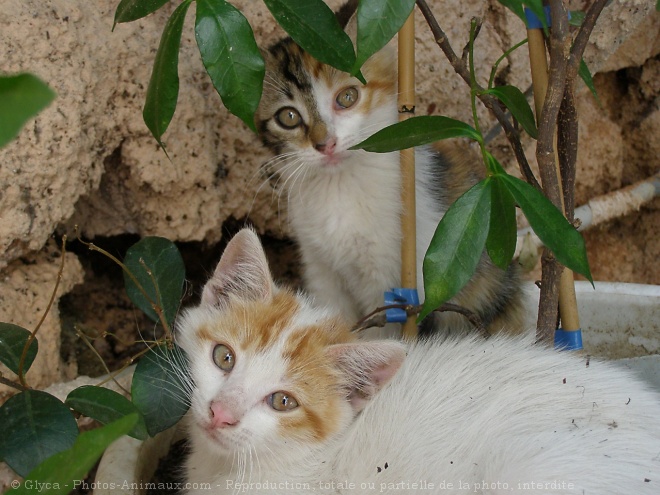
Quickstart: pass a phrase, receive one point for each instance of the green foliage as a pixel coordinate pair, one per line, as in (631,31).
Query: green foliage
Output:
(576,17)
(312,25)
(22,97)
(550,225)
(163,90)
(456,247)
(61,471)
(585,74)
(501,241)
(158,274)
(378,21)
(35,426)
(517,104)
(159,389)
(231,57)
(12,342)
(105,406)
(132,10)
(416,131)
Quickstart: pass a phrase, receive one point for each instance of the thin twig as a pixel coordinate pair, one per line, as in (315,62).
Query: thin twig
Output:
(84,338)
(490,102)
(582,38)
(13,384)
(33,335)
(378,318)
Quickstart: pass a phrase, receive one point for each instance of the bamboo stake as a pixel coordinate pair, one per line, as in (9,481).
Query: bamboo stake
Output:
(406,110)
(539,68)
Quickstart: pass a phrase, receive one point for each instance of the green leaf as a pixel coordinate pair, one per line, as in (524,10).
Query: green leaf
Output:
(312,25)
(160,388)
(35,426)
(62,472)
(231,57)
(585,74)
(502,234)
(457,246)
(23,96)
(12,341)
(416,131)
(132,10)
(105,406)
(378,21)
(163,90)
(576,17)
(517,104)
(515,6)
(550,225)
(158,267)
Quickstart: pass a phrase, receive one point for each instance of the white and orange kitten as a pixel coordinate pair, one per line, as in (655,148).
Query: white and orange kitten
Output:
(286,401)
(344,206)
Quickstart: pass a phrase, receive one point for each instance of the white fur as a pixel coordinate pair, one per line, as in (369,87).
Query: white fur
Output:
(496,416)
(471,413)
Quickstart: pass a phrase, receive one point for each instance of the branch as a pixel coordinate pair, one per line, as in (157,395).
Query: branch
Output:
(378,318)
(567,125)
(580,43)
(549,166)
(12,384)
(490,102)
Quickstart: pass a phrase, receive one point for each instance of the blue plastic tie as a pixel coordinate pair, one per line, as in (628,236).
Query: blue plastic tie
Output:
(533,22)
(399,296)
(568,340)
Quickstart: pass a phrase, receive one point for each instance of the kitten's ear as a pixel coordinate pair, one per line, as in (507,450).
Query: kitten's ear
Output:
(242,272)
(367,367)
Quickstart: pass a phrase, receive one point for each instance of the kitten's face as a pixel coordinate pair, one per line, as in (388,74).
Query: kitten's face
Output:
(311,113)
(263,377)
(272,375)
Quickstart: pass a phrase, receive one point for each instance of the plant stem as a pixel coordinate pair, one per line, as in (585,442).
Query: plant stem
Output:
(33,335)
(549,167)
(567,123)
(13,384)
(499,61)
(492,103)
(474,87)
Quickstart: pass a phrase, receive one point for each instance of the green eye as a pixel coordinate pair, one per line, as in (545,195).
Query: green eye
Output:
(223,357)
(288,117)
(347,97)
(282,401)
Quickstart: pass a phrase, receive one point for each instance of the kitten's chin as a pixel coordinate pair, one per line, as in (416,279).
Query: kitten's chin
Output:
(219,440)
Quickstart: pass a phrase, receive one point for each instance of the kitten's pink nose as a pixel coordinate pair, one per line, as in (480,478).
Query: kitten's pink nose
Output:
(328,147)
(220,417)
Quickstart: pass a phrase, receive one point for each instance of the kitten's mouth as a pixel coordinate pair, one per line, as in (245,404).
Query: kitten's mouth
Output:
(333,160)
(215,435)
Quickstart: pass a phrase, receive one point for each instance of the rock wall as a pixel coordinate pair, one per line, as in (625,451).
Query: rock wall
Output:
(89,160)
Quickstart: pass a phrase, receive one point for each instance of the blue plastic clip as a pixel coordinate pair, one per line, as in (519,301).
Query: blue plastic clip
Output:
(533,22)
(399,296)
(568,340)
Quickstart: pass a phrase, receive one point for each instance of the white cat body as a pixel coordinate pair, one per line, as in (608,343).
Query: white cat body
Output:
(489,416)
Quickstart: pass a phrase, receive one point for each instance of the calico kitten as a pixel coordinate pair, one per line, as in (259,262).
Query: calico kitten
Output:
(344,206)
(286,401)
